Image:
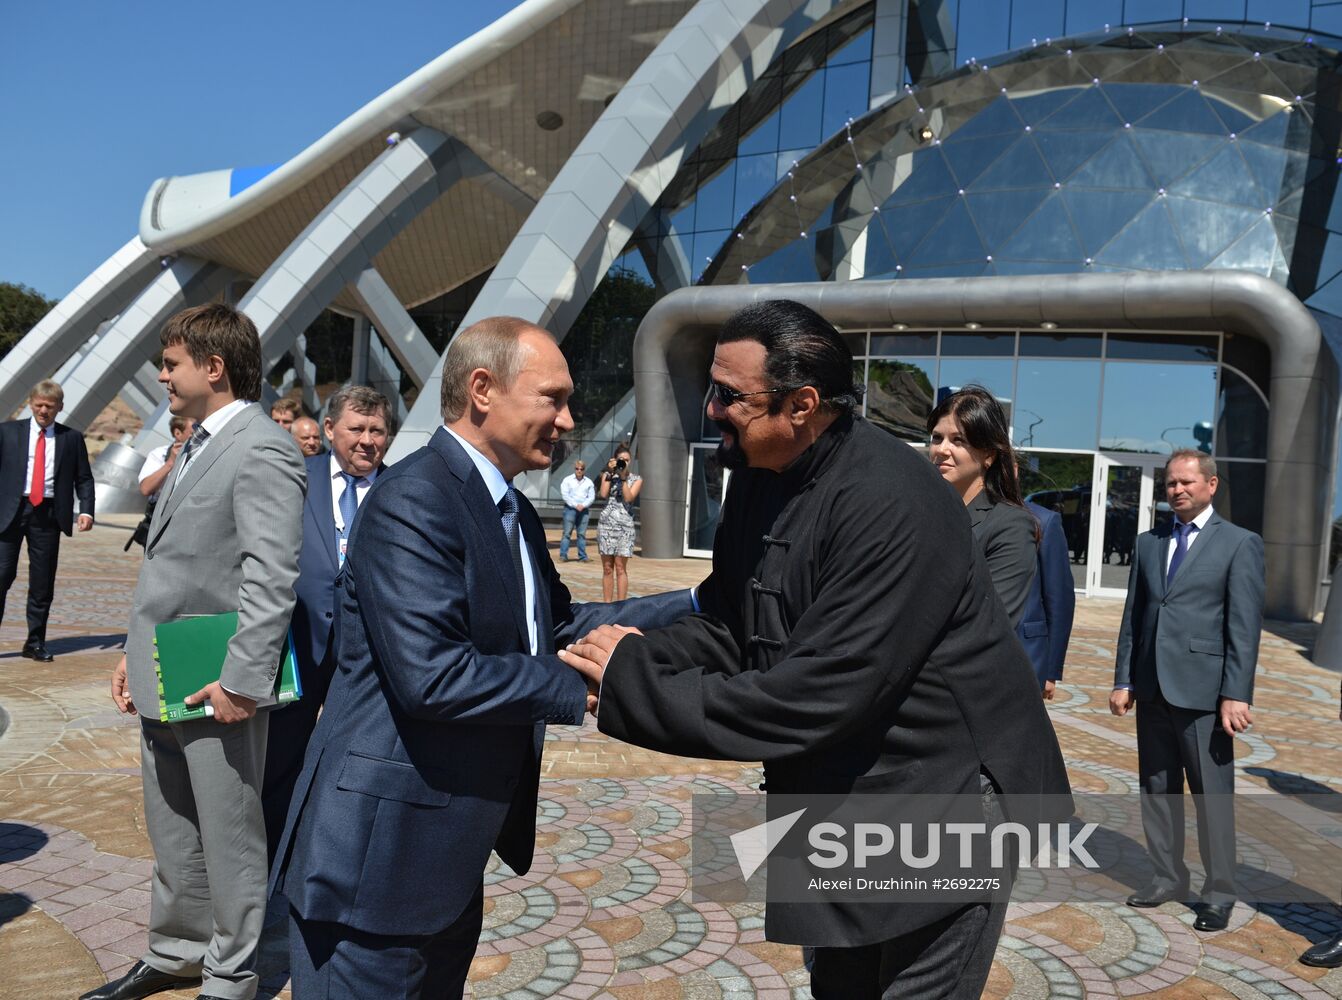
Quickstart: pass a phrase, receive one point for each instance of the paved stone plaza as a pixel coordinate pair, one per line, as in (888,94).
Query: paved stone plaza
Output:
(605,911)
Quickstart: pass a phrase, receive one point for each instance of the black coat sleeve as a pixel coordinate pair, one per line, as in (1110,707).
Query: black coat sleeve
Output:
(890,571)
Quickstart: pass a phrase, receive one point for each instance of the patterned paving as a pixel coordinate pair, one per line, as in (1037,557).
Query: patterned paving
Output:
(605,911)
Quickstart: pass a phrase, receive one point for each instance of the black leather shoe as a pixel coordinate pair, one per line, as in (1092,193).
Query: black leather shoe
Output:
(37,651)
(1156,895)
(1213,916)
(1325,954)
(141,981)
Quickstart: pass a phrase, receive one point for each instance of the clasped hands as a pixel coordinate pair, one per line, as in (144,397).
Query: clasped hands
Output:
(590,654)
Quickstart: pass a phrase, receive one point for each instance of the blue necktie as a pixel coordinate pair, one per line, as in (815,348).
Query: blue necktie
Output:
(508,515)
(1182,533)
(349,506)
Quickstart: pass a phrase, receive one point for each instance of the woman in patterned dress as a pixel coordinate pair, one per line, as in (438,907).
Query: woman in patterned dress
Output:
(615,526)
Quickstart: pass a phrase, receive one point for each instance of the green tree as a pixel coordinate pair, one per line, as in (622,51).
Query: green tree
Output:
(20,309)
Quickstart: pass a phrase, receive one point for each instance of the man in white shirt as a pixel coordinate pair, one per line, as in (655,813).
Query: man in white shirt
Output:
(358,421)
(578,492)
(161,461)
(43,466)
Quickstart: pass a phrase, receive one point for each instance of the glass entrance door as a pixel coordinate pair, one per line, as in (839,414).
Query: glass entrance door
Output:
(705,487)
(1129,498)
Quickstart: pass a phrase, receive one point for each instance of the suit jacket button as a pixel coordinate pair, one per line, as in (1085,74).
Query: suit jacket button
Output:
(328,614)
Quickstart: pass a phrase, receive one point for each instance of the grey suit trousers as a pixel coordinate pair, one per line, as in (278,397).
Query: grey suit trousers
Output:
(202,804)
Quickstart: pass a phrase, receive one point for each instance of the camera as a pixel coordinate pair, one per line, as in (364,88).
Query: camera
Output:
(620,464)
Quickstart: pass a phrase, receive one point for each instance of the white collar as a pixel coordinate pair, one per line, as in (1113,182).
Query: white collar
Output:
(216,421)
(336,471)
(1201,520)
(489,472)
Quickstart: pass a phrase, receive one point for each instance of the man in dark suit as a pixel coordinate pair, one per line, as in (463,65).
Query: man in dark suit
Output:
(43,467)
(358,426)
(849,639)
(1187,652)
(427,755)
(1046,626)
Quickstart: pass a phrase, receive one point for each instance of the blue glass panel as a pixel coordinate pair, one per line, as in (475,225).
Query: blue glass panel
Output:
(1035,108)
(880,257)
(1154,407)
(970,158)
(1290,205)
(1241,419)
(794,262)
(1148,243)
(994,374)
(1327,19)
(1138,11)
(1233,118)
(799,124)
(977,345)
(716,192)
(1019,167)
(706,247)
(1284,12)
(1270,131)
(1186,113)
(983,29)
(857,49)
(1092,15)
(954,241)
(1222,178)
(930,179)
(682,222)
(1099,215)
(1000,213)
(1047,236)
(1169,155)
(1207,228)
(754,179)
(1037,19)
(1330,260)
(1137,100)
(1161,346)
(1328,299)
(1115,166)
(1215,10)
(1059,345)
(1090,110)
(847,89)
(1036,266)
(1268,168)
(963,270)
(913,344)
(996,118)
(1253,251)
(1065,151)
(764,139)
(908,225)
(1054,405)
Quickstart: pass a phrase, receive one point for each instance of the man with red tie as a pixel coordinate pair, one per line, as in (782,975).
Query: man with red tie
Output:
(43,467)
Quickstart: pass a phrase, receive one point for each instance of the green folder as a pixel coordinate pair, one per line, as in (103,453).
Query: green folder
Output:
(190,652)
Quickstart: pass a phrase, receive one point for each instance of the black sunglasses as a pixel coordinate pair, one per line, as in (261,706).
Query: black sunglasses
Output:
(726,395)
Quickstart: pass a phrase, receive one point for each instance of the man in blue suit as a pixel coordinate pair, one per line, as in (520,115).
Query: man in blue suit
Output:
(357,425)
(1046,626)
(427,756)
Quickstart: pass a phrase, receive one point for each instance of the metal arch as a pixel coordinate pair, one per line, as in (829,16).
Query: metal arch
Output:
(675,342)
(622,166)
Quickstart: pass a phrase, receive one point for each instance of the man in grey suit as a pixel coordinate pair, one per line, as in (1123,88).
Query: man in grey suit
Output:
(1187,653)
(224,537)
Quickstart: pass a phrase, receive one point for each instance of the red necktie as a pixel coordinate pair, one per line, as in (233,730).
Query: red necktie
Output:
(39,487)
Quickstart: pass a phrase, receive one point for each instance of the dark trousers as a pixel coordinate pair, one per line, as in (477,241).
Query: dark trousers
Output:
(334,961)
(1172,743)
(290,730)
(37,525)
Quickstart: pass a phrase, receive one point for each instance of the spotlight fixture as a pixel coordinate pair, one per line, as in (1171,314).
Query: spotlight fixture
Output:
(923,133)
(971,326)
(549,120)
(1048,326)
(393,139)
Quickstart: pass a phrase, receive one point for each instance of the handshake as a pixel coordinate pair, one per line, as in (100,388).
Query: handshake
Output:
(590,654)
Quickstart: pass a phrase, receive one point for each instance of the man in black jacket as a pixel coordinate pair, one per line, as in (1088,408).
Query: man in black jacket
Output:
(43,467)
(849,637)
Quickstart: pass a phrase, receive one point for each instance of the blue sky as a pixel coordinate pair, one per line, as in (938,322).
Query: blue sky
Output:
(100,98)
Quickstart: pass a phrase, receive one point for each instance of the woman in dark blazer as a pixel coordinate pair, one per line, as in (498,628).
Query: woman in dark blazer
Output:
(971,448)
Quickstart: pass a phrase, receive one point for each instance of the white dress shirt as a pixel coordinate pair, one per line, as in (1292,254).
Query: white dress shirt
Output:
(361,488)
(49,487)
(498,486)
(1201,521)
(578,492)
(213,424)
